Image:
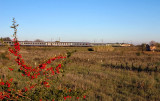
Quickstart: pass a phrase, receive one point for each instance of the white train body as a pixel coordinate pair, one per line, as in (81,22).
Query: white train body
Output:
(33,43)
(64,44)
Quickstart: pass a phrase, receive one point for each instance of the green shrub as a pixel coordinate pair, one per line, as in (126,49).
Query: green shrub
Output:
(90,49)
(138,53)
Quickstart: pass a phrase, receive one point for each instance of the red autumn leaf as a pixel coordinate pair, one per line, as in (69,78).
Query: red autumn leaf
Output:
(11,79)
(10,69)
(2,83)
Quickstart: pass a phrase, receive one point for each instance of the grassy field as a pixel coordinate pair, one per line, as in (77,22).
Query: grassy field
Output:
(121,74)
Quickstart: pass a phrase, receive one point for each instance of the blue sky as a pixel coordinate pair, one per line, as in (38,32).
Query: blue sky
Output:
(136,21)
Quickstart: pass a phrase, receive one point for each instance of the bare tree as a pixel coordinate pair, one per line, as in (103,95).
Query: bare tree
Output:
(38,40)
(151,43)
(158,44)
(6,39)
(14,26)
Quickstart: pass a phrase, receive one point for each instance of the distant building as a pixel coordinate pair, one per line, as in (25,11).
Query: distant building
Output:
(153,48)
(125,45)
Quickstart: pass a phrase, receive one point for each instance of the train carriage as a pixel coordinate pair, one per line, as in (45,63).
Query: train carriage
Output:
(63,44)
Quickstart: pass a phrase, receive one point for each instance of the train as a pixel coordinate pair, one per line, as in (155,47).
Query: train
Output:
(64,44)
(34,43)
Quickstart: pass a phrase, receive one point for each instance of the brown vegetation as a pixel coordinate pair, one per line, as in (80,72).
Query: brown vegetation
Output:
(124,73)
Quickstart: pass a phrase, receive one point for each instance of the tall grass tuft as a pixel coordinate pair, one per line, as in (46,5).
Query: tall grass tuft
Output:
(103,48)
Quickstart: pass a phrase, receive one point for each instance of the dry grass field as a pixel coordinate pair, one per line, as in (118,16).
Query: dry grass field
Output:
(122,74)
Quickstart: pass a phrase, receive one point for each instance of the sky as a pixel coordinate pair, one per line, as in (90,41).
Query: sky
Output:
(128,21)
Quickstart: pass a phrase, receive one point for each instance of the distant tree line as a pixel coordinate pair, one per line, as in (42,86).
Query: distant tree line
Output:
(6,39)
(154,43)
(147,47)
(39,40)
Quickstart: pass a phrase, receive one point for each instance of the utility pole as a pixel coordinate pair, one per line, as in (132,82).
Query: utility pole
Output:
(102,40)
